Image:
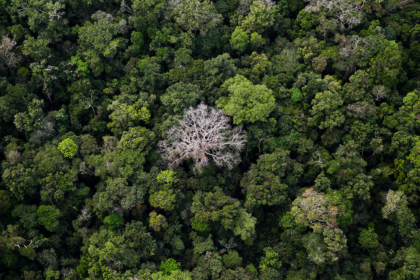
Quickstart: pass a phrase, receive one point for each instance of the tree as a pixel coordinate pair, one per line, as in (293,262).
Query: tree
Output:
(396,209)
(97,41)
(239,40)
(15,101)
(167,177)
(232,260)
(257,41)
(247,102)
(259,63)
(386,65)
(27,215)
(169,265)
(48,217)
(244,226)
(368,239)
(114,221)
(408,259)
(180,96)
(325,250)
(157,222)
(287,61)
(346,165)
(394,202)
(136,138)
(164,199)
(317,210)
(202,133)
(296,95)
(325,108)
(40,13)
(89,145)
(359,187)
(68,148)
(216,206)
(222,66)
(238,274)
(4,201)
(57,176)
(8,58)
(119,195)
(347,13)
(21,181)
(31,120)
(270,264)
(193,16)
(127,111)
(260,18)
(263,183)
(183,58)
(122,249)
(37,48)
(336,242)
(379,92)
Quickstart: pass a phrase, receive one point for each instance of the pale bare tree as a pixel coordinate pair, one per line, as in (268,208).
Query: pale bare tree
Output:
(203,133)
(346,13)
(380,92)
(394,201)
(348,45)
(126,8)
(8,58)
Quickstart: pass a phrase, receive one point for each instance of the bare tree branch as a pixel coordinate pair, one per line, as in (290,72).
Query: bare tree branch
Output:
(203,132)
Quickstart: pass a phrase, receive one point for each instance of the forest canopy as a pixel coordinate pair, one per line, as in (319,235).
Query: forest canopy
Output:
(209,139)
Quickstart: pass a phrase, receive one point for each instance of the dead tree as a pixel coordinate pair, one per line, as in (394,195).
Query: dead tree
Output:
(203,133)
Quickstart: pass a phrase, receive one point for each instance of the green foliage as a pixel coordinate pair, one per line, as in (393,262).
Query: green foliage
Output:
(122,248)
(219,207)
(167,177)
(164,199)
(386,65)
(318,211)
(270,264)
(5,203)
(48,217)
(62,118)
(157,221)
(168,266)
(98,41)
(82,66)
(257,41)
(136,138)
(368,239)
(193,16)
(232,260)
(198,225)
(287,221)
(259,19)
(315,151)
(247,102)
(114,221)
(180,96)
(297,95)
(239,40)
(263,183)
(325,107)
(259,63)
(21,181)
(127,111)
(68,148)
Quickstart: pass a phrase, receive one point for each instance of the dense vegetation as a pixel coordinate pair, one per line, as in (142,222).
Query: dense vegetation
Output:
(197,139)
